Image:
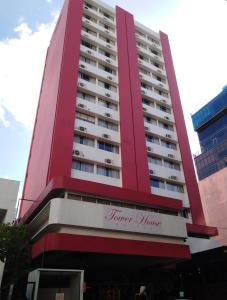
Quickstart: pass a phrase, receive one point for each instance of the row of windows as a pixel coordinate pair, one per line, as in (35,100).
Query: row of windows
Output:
(101,83)
(148,37)
(99,65)
(98,35)
(163,162)
(91,98)
(151,61)
(101,11)
(91,119)
(156,105)
(158,141)
(167,185)
(149,87)
(158,123)
(100,145)
(147,47)
(102,51)
(102,24)
(100,170)
(151,74)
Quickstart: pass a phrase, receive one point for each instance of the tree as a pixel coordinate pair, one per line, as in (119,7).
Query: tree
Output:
(14,251)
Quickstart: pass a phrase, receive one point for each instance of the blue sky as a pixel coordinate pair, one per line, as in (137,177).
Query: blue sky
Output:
(197,30)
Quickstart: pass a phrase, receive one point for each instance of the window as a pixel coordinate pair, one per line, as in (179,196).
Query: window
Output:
(150,120)
(155,160)
(106,15)
(166,126)
(109,172)
(107,86)
(86,96)
(85,29)
(84,141)
(152,139)
(82,166)
(88,45)
(163,108)
(171,165)
(85,76)
(108,125)
(108,147)
(85,117)
(175,187)
(157,183)
(169,145)
(88,60)
(107,104)
(147,102)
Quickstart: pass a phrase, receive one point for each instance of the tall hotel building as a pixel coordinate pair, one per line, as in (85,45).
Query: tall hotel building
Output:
(110,183)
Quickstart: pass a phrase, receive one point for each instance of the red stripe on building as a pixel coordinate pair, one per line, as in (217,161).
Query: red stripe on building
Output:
(128,157)
(143,181)
(94,244)
(189,172)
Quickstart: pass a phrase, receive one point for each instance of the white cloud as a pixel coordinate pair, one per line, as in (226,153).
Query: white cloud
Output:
(22,62)
(49,1)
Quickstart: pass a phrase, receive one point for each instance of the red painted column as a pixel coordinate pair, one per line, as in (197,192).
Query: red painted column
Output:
(189,172)
(128,157)
(143,180)
(62,142)
(52,141)
(135,173)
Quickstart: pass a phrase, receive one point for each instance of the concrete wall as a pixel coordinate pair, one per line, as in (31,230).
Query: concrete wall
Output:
(8,198)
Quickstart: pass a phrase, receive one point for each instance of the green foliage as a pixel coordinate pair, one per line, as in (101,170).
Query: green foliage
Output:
(15,251)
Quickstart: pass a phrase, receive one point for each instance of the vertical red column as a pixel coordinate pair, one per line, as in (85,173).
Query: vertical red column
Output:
(143,181)
(128,157)
(62,142)
(189,172)
(135,173)
(51,147)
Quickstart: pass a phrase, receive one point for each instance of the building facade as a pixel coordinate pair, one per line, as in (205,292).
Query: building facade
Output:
(8,199)
(210,122)
(110,178)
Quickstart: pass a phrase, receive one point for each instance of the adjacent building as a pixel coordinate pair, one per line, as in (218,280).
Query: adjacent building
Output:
(8,199)
(210,122)
(110,186)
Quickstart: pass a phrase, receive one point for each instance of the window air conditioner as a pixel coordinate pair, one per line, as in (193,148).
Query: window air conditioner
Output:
(146,128)
(107,115)
(81,105)
(82,66)
(171,156)
(81,128)
(151,172)
(81,84)
(76,152)
(164,101)
(173,177)
(110,78)
(108,161)
(107,95)
(167,118)
(108,46)
(144,109)
(106,136)
(88,51)
(149,149)
(108,60)
(169,136)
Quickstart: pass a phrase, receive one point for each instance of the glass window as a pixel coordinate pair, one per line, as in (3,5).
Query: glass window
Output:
(107,124)
(108,147)
(84,141)
(86,96)
(150,120)
(107,104)
(171,165)
(175,187)
(169,145)
(157,183)
(109,172)
(85,117)
(82,166)
(155,160)
(152,139)
(166,126)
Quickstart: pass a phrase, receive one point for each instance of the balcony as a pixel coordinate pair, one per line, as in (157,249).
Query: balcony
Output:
(155,96)
(98,56)
(167,173)
(170,135)
(164,151)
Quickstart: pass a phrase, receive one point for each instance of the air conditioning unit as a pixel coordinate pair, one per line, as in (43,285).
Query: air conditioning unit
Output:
(107,31)
(81,105)
(167,118)
(146,128)
(106,136)
(160,84)
(173,177)
(86,7)
(151,171)
(110,78)
(169,136)
(81,84)
(107,95)
(78,153)
(164,101)
(149,149)
(144,109)
(87,21)
(170,155)
(140,61)
(108,161)
(108,115)
(86,35)
(105,19)
(88,51)
(81,128)
(143,92)
(141,76)
(108,60)
(108,46)
(82,66)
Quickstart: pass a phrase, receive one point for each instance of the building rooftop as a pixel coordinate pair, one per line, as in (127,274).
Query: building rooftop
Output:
(210,110)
